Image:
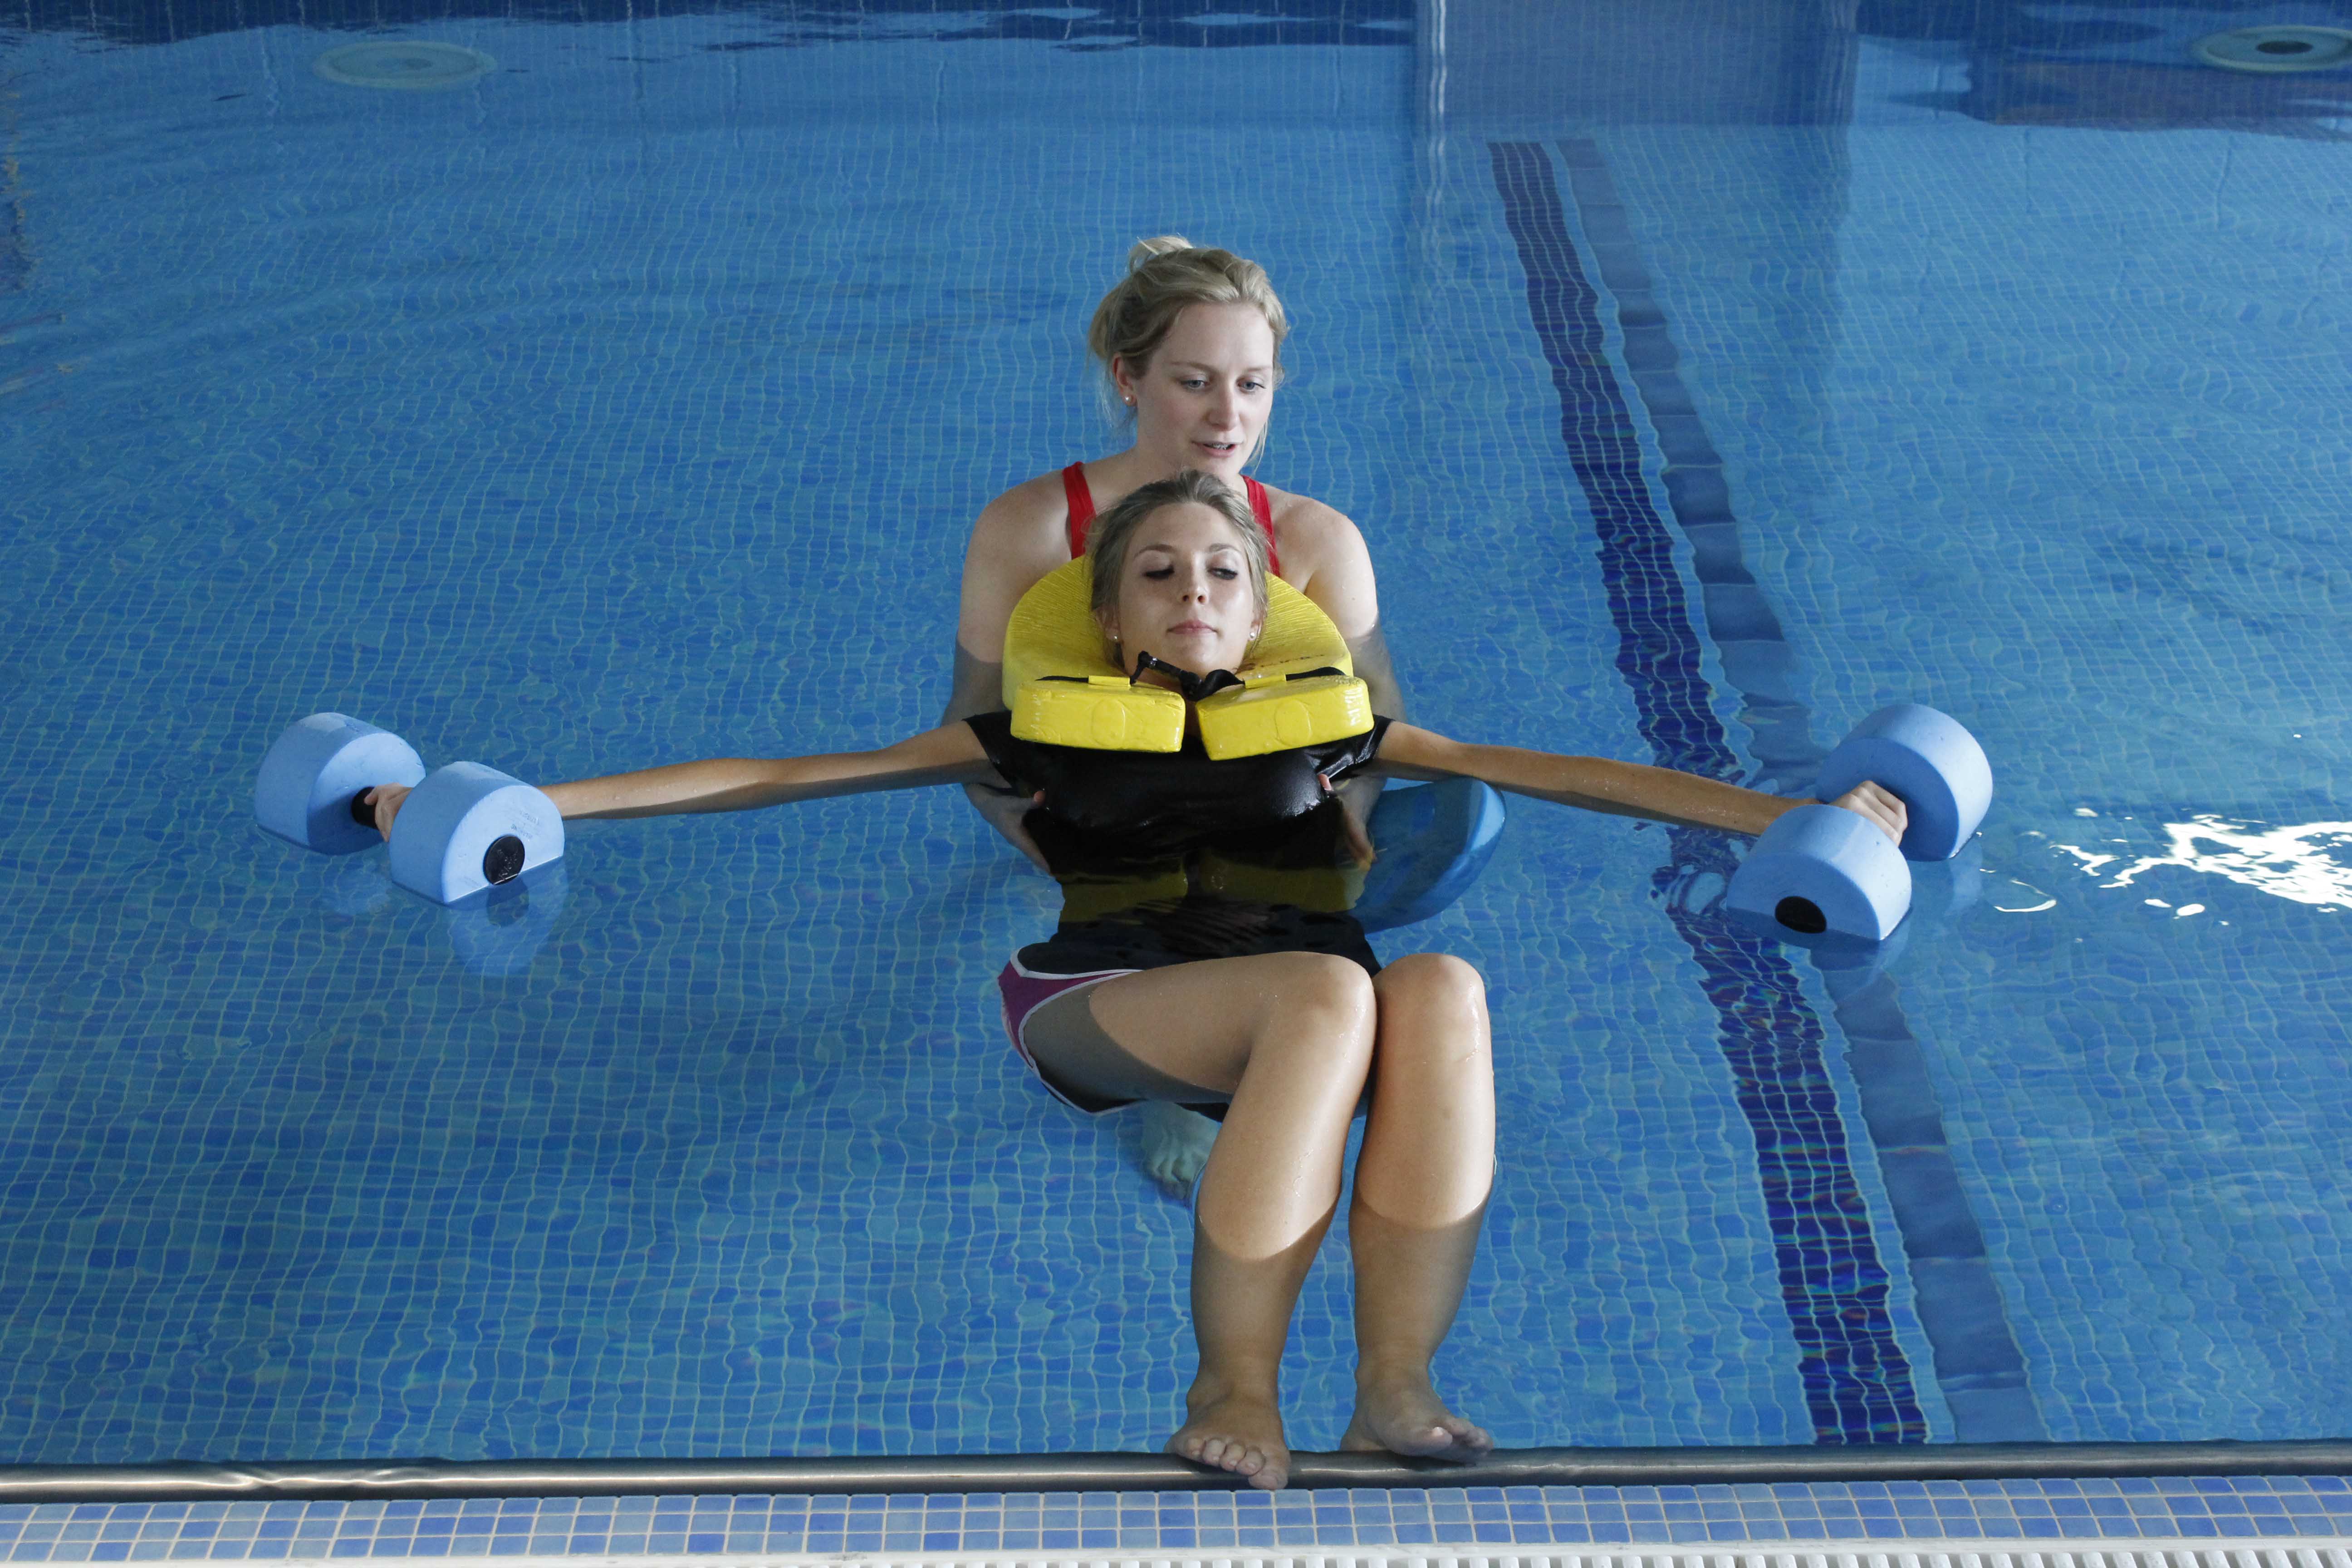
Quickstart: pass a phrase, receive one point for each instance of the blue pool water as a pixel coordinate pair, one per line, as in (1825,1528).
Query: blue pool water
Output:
(1703,377)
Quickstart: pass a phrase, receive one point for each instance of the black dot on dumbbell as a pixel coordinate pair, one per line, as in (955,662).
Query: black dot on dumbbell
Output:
(1801,915)
(503,862)
(362,812)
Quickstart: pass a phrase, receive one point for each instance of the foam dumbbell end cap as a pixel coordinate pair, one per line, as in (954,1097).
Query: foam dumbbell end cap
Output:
(468,828)
(1929,760)
(317,769)
(1825,870)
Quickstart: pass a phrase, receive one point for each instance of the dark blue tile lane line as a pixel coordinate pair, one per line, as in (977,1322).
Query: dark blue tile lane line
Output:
(1740,622)
(1979,1367)
(1857,1382)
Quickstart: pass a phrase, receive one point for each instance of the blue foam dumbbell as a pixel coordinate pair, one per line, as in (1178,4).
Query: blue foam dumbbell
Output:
(468,828)
(1822,871)
(312,783)
(1929,761)
(465,828)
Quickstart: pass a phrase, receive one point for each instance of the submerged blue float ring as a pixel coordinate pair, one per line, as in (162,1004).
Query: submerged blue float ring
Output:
(1432,840)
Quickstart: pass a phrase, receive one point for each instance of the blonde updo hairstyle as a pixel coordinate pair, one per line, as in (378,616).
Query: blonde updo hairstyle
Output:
(1113,533)
(1164,274)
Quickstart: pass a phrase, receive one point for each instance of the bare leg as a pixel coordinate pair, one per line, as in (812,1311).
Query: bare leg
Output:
(1288,1036)
(1421,1184)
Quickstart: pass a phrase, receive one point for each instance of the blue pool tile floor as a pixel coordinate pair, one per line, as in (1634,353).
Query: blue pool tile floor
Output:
(2213,1509)
(635,405)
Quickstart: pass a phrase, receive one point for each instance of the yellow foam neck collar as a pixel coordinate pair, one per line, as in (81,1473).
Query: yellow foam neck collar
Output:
(1064,690)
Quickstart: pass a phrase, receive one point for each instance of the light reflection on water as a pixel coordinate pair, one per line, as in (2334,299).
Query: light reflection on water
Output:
(2310,863)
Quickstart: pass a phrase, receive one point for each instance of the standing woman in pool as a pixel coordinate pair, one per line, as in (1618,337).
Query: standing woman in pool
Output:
(1191,341)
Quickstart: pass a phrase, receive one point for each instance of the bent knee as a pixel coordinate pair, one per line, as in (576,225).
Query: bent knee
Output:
(1328,981)
(1336,991)
(1434,1018)
(1325,979)
(1433,979)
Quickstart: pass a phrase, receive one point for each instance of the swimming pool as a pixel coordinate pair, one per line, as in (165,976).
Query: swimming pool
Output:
(630,404)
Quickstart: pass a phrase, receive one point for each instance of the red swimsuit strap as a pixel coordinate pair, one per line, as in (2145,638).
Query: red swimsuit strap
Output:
(1082,507)
(1082,512)
(1263,505)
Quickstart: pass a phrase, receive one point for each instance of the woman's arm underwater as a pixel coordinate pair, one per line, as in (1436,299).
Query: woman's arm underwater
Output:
(949,754)
(1621,789)
(1017,539)
(980,688)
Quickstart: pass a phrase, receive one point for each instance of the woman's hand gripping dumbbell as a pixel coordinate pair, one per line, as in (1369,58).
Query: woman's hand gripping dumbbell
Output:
(460,830)
(1819,870)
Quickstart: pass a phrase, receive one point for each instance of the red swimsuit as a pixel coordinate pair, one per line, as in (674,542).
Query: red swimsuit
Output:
(1082,513)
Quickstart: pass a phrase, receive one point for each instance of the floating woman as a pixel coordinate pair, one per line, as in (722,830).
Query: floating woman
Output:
(1205,956)
(1189,342)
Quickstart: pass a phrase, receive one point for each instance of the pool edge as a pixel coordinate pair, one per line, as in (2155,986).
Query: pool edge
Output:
(1117,1472)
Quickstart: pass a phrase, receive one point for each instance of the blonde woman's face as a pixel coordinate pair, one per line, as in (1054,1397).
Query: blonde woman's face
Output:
(1203,400)
(1184,592)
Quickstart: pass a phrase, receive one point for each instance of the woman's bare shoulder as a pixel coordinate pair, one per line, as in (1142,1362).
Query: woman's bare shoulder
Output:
(1019,538)
(1021,513)
(1317,540)
(1307,519)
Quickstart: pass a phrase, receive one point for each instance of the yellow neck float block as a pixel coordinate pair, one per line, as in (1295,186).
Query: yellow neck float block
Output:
(1299,688)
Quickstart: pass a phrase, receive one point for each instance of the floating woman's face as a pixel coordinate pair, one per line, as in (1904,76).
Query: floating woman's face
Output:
(1203,399)
(1184,592)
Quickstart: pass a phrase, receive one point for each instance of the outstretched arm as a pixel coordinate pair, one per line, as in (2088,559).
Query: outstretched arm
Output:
(1622,789)
(949,754)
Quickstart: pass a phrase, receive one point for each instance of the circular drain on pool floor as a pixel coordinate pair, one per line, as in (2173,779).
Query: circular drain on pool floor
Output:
(407,65)
(2281,48)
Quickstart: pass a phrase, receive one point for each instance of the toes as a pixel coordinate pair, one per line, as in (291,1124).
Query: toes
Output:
(1477,1439)
(1256,1465)
(1425,1441)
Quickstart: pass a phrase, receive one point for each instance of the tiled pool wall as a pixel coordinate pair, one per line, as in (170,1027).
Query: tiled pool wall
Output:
(2195,1509)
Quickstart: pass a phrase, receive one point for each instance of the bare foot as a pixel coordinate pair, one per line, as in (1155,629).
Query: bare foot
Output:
(1176,1143)
(1407,1418)
(1239,1432)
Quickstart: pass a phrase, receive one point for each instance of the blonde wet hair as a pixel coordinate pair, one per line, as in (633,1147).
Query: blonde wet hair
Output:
(1113,533)
(1164,274)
